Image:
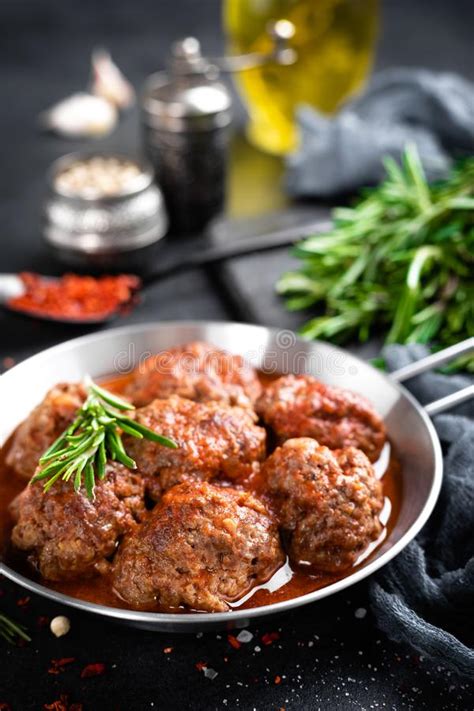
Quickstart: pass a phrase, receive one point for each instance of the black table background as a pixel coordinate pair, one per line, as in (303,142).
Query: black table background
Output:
(327,657)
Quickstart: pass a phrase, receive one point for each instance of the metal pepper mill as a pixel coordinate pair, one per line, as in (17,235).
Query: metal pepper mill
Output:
(186,115)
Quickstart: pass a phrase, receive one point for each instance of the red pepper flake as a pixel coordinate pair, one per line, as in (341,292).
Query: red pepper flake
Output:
(4,706)
(8,362)
(57,665)
(75,297)
(233,641)
(277,679)
(23,601)
(270,637)
(62,704)
(42,621)
(96,669)
(168,650)
(200,666)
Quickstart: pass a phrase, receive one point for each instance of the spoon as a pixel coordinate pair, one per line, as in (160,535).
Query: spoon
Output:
(11,285)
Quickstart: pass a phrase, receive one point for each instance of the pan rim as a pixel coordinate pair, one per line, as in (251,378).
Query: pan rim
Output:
(194,619)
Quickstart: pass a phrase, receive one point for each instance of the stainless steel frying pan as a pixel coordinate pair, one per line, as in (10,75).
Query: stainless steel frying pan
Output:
(410,429)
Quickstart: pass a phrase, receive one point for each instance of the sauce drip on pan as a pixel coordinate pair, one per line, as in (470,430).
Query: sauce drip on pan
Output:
(287,583)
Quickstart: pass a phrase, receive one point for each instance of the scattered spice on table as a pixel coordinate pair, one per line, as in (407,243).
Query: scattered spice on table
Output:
(59,665)
(96,669)
(8,362)
(62,704)
(270,637)
(75,297)
(233,641)
(60,625)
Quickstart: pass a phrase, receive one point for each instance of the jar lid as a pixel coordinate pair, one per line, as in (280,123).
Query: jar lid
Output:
(188,96)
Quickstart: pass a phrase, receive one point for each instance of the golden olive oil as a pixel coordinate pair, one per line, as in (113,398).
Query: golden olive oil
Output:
(334,41)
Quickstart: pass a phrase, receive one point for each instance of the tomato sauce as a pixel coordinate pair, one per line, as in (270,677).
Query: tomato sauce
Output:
(287,583)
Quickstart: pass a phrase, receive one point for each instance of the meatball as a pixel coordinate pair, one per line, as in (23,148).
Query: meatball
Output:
(66,534)
(196,371)
(213,440)
(300,406)
(202,546)
(43,425)
(328,502)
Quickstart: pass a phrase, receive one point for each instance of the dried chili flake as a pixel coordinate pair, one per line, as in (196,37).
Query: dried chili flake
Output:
(8,362)
(74,297)
(42,621)
(270,637)
(62,704)
(96,669)
(23,601)
(233,641)
(57,665)
(277,679)
(4,706)
(200,666)
(168,650)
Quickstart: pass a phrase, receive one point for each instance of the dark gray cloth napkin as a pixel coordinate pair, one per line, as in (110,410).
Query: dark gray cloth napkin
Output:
(425,596)
(339,154)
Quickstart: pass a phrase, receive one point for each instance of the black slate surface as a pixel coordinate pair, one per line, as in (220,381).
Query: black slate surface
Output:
(326,656)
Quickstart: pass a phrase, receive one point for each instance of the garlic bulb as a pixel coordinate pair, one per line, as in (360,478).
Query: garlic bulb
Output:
(81,115)
(109,82)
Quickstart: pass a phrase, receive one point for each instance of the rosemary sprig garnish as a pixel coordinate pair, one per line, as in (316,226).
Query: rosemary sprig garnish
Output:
(95,436)
(10,630)
(400,261)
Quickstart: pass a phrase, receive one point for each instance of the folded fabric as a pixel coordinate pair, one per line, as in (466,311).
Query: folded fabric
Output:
(425,596)
(341,153)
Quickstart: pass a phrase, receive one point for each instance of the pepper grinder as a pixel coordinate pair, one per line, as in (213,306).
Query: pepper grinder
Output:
(186,116)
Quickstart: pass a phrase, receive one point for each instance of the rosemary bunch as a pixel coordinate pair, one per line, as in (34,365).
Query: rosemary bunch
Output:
(10,630)
(401,259)
(95,436)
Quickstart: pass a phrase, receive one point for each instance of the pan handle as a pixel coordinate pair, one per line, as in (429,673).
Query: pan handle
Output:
(449,401)
(432,361)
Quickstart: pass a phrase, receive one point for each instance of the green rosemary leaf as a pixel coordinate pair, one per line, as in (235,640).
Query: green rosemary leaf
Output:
(148,433)
(401,260)
(81,452)
(89,480)
(10,630)
(101,460)
(111,399)
(130,430)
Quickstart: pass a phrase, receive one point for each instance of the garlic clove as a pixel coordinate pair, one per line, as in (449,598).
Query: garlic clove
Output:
(109,82)
(81,115)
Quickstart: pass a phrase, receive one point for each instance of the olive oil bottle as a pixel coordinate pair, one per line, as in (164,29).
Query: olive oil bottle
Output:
(334,42)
